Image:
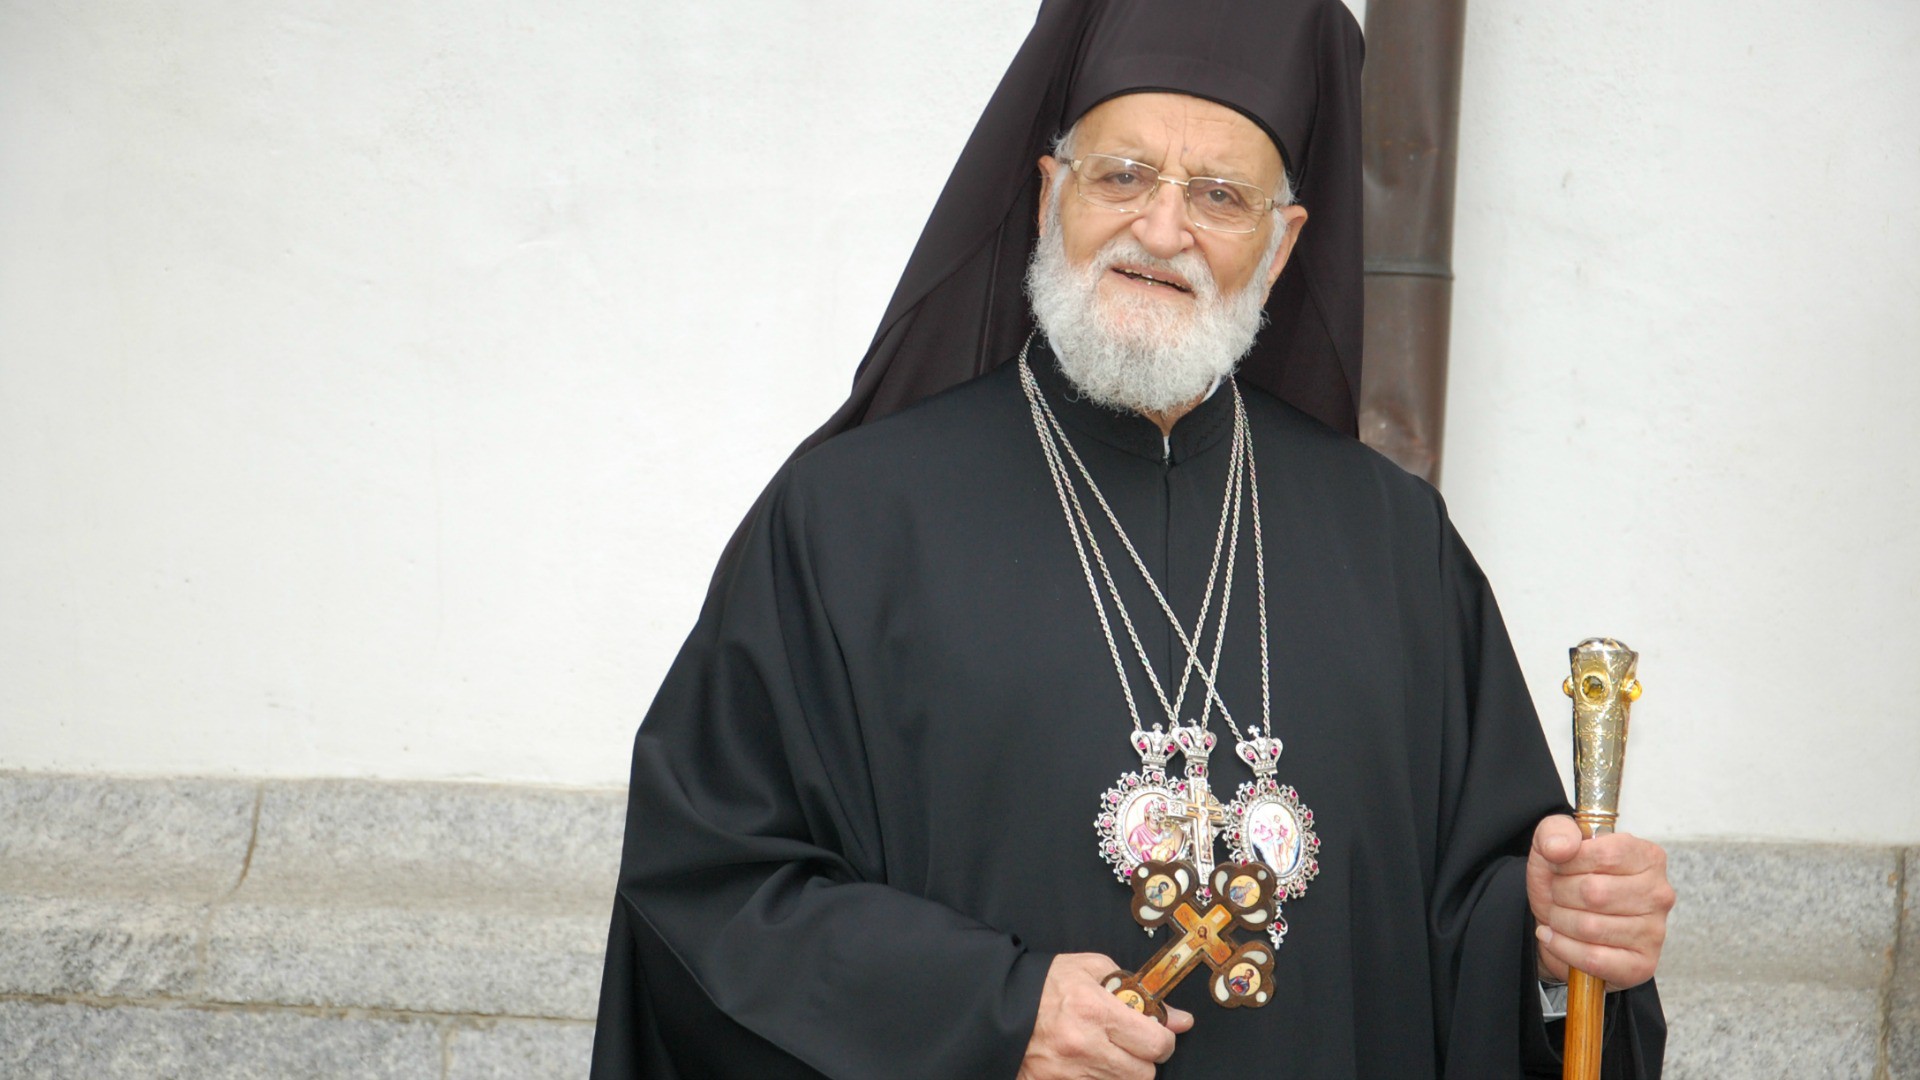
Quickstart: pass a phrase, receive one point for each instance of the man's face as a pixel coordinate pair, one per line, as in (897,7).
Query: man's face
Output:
(1183,137)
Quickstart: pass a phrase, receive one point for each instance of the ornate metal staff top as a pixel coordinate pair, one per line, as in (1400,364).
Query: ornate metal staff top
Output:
(1603,688)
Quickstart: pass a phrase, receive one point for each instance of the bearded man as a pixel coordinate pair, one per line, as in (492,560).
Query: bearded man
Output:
(1050,555)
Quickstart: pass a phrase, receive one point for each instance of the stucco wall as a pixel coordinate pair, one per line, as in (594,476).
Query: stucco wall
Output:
(378,382)
(1686,367)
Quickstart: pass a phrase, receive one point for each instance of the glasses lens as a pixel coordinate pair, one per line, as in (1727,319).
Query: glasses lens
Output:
(1225,204)
(1113,181)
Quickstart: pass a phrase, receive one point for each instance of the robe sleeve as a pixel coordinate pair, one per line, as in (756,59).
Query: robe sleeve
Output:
(1501,780)
(753,934)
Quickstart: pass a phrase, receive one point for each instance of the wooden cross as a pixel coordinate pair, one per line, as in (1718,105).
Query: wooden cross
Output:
(1167,892)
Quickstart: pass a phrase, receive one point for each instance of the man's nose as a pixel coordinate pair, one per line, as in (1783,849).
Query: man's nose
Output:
(1162,227)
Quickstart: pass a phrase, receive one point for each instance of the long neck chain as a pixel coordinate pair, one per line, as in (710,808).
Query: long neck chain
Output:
(1080,529)
(1235,472)
(1242,475)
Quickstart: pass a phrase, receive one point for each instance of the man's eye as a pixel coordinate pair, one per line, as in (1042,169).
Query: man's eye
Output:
(1123,179)
(1221,197)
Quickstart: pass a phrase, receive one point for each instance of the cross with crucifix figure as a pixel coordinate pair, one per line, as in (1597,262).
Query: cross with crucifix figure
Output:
(1200,814)
(1243,899)
(1200,811)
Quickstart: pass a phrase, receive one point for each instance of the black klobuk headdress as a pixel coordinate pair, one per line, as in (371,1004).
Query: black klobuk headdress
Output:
(1291,66)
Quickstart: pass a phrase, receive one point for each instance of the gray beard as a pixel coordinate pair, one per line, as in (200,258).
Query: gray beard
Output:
(1132,352)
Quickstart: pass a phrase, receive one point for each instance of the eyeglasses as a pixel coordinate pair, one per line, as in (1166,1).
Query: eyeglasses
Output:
(1117,183)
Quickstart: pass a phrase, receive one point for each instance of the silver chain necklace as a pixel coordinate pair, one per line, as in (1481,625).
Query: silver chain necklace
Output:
(1053,441)
(1147,815)
(1240,456)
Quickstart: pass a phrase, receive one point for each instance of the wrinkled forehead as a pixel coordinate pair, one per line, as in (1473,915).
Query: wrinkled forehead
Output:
(1205,136)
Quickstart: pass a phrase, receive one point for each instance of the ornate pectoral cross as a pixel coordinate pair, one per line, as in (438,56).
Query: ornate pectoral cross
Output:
(1199,808)
(1167,892)
(1201,814)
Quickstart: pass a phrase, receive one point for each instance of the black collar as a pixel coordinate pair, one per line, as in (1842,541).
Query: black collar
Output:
(1193,434)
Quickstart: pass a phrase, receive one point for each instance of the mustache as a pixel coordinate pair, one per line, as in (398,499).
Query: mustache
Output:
(1126,249)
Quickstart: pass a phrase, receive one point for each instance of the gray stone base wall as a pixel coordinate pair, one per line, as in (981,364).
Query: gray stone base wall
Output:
(200,928)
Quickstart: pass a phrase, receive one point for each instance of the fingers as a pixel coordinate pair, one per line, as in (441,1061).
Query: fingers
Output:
(1645,893)
(1084,1031)
(1621,968)
(1617,853)
(1138,1036)
(1556,839)
(1601,904)
(1179,1021)
(1549,967)
(1618,931)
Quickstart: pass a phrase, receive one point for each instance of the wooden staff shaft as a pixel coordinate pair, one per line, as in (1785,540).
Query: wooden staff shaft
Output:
(1586,1005)
(1586,1008)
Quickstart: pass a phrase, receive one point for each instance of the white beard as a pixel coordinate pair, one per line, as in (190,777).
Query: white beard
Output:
(1139,353)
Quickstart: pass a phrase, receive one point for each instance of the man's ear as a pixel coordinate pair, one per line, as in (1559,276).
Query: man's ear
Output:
(1293,219)
(1049,175)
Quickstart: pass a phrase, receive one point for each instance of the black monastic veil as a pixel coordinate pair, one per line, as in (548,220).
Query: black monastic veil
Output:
(1291,66)
(861,815)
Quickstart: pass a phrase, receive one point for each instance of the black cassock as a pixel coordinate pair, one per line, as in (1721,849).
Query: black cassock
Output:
(861,816)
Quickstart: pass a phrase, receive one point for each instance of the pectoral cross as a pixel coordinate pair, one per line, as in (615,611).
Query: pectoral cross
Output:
(1204,814)
(1166,892)
(1199,807)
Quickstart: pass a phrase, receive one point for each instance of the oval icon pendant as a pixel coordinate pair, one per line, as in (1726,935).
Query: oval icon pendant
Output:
(1267,823)
(1140,821)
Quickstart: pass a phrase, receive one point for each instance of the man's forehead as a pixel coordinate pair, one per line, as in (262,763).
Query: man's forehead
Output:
(1160,122)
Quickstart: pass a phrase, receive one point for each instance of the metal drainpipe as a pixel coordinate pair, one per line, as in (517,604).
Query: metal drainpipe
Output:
(1410,122)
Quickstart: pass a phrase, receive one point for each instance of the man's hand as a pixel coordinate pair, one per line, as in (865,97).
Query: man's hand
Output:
(1601,904)
(1084,1033)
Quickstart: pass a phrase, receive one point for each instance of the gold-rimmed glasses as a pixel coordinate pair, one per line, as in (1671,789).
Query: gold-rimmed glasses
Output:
(1125,185)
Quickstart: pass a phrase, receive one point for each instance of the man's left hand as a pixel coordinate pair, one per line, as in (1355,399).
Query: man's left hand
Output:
(1601,904)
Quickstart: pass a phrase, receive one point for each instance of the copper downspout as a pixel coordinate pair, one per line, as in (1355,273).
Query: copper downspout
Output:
(1410,122)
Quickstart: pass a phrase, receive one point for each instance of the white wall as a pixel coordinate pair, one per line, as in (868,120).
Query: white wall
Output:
(378,382)
(1686,372)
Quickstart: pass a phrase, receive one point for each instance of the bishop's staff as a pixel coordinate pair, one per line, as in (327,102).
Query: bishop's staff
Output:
(1603,689)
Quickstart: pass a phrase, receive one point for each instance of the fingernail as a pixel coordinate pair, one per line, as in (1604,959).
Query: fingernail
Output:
(1544,933)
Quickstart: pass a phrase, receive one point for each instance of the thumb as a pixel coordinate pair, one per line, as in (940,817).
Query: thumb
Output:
(1557,839)
(1178,1020)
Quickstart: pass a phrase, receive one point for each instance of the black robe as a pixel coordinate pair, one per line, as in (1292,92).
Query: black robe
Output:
(861,814)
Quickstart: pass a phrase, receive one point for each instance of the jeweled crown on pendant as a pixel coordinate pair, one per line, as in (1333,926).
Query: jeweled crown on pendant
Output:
(1261,753)
(1155,747)
(1197,744)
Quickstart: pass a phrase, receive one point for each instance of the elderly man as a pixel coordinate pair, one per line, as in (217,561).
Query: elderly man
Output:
(959,629)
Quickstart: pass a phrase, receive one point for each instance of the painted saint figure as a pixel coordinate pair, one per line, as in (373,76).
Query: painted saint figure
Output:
(1275,838)
(1158,837)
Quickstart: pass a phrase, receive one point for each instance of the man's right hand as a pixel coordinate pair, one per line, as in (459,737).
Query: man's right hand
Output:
(1084,1033)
